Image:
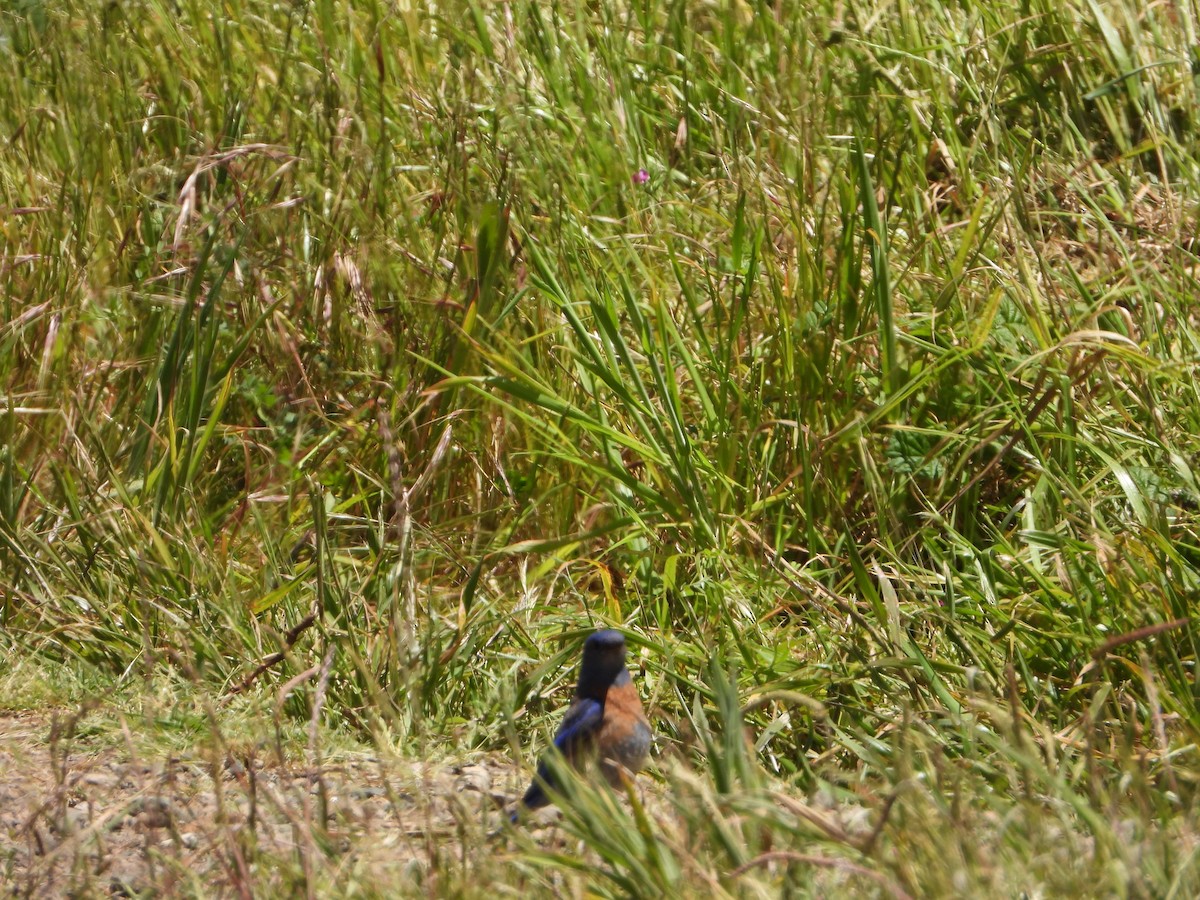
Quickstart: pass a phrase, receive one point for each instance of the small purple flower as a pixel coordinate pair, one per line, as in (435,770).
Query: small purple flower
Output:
(641,176)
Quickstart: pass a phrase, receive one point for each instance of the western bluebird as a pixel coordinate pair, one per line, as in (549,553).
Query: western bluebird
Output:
(604,722)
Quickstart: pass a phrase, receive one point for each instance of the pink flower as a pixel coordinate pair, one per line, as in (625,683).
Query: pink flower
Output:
(641,176)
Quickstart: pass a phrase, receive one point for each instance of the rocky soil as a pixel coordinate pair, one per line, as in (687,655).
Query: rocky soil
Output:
(108,821)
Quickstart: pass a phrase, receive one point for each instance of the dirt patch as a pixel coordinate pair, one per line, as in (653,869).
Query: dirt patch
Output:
(76,821)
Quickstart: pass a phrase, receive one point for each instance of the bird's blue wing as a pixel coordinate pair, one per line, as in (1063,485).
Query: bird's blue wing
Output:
(581,722)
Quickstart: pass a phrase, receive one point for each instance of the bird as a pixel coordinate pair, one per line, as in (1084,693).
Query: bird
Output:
(605,722)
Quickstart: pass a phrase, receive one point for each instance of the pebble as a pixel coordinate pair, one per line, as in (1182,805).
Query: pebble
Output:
(152,812)
(473,778)
(98,779)
(74,819)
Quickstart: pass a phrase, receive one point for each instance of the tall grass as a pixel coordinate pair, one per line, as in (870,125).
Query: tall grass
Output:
(869,414)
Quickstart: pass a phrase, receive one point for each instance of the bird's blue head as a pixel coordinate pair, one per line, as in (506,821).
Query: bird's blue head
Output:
(603,663)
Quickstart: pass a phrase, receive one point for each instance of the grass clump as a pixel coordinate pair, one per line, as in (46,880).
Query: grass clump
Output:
(357,359)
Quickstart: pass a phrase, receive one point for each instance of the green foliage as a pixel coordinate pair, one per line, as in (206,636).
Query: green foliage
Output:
(349,325)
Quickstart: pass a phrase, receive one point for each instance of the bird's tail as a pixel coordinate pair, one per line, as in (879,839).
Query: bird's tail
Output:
(536,797)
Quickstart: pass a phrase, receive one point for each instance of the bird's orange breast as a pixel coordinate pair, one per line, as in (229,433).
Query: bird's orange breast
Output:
(623,740)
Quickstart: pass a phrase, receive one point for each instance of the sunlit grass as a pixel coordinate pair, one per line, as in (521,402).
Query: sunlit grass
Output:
(348,366)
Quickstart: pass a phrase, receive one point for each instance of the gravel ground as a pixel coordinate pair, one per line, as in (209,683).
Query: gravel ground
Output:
(86,822)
